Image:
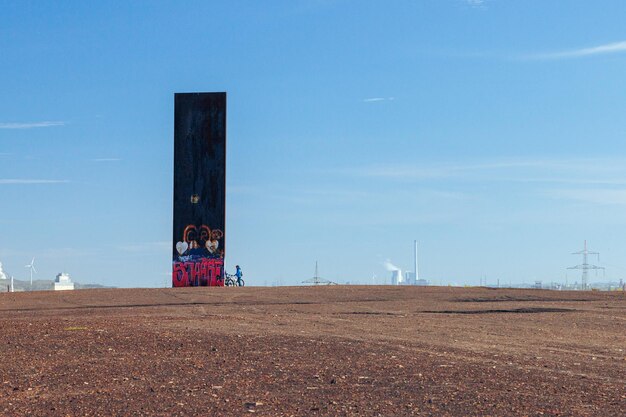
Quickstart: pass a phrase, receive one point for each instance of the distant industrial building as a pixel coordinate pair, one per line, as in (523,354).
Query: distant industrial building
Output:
(6,284)
(409,277)
(63,282)
(3,275)
(396,277)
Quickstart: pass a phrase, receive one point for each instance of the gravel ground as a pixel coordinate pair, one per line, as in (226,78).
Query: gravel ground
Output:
(337,351)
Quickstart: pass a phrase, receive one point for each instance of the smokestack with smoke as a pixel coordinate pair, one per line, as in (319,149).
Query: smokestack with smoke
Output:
(396,273)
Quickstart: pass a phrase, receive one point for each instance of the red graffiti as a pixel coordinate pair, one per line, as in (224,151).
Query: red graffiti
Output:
(202,273)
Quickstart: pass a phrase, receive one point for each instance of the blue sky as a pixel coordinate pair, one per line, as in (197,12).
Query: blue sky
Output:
(490,131)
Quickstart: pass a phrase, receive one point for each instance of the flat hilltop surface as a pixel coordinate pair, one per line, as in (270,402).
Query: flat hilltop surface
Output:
(333,350)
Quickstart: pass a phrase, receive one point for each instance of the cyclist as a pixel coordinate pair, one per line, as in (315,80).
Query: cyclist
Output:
(238,274)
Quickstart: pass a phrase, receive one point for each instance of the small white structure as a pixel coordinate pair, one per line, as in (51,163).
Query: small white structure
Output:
(63,282)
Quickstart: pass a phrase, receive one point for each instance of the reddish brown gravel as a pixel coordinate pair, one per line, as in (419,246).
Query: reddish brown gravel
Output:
(334,351)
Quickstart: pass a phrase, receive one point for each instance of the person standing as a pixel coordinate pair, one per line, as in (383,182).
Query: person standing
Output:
(239,276)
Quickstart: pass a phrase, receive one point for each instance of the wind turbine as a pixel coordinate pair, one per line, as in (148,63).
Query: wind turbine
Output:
(31,265)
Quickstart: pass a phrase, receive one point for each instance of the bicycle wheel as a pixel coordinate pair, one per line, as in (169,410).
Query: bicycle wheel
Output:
(242,283)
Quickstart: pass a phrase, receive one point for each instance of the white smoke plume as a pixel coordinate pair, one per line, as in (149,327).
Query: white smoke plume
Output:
(389,266)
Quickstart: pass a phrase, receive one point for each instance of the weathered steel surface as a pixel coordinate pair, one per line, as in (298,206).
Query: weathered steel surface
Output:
(199,189)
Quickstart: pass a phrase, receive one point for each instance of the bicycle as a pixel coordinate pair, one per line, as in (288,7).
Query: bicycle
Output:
(231,281)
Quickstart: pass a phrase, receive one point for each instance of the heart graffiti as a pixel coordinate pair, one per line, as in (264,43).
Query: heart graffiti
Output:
(181,247)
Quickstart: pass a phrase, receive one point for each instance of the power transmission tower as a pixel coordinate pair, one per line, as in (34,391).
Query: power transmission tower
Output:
(317,280)
(585,266)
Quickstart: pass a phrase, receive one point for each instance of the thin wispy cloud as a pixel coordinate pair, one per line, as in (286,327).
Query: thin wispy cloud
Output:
(31,125)
(158,246)
(583,171)
(475,3)
(592,196)
(425,171)
(6,181)
(609,48)
(68,253)
(573,181)
(378,99)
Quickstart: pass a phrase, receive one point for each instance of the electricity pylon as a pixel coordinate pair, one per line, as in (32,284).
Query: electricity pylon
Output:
(585,266)
(317,280)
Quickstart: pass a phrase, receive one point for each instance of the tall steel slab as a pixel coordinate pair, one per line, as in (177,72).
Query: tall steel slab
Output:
(199,189)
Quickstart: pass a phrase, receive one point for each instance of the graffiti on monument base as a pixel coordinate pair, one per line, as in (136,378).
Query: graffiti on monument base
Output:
(198,273)
(199,258)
